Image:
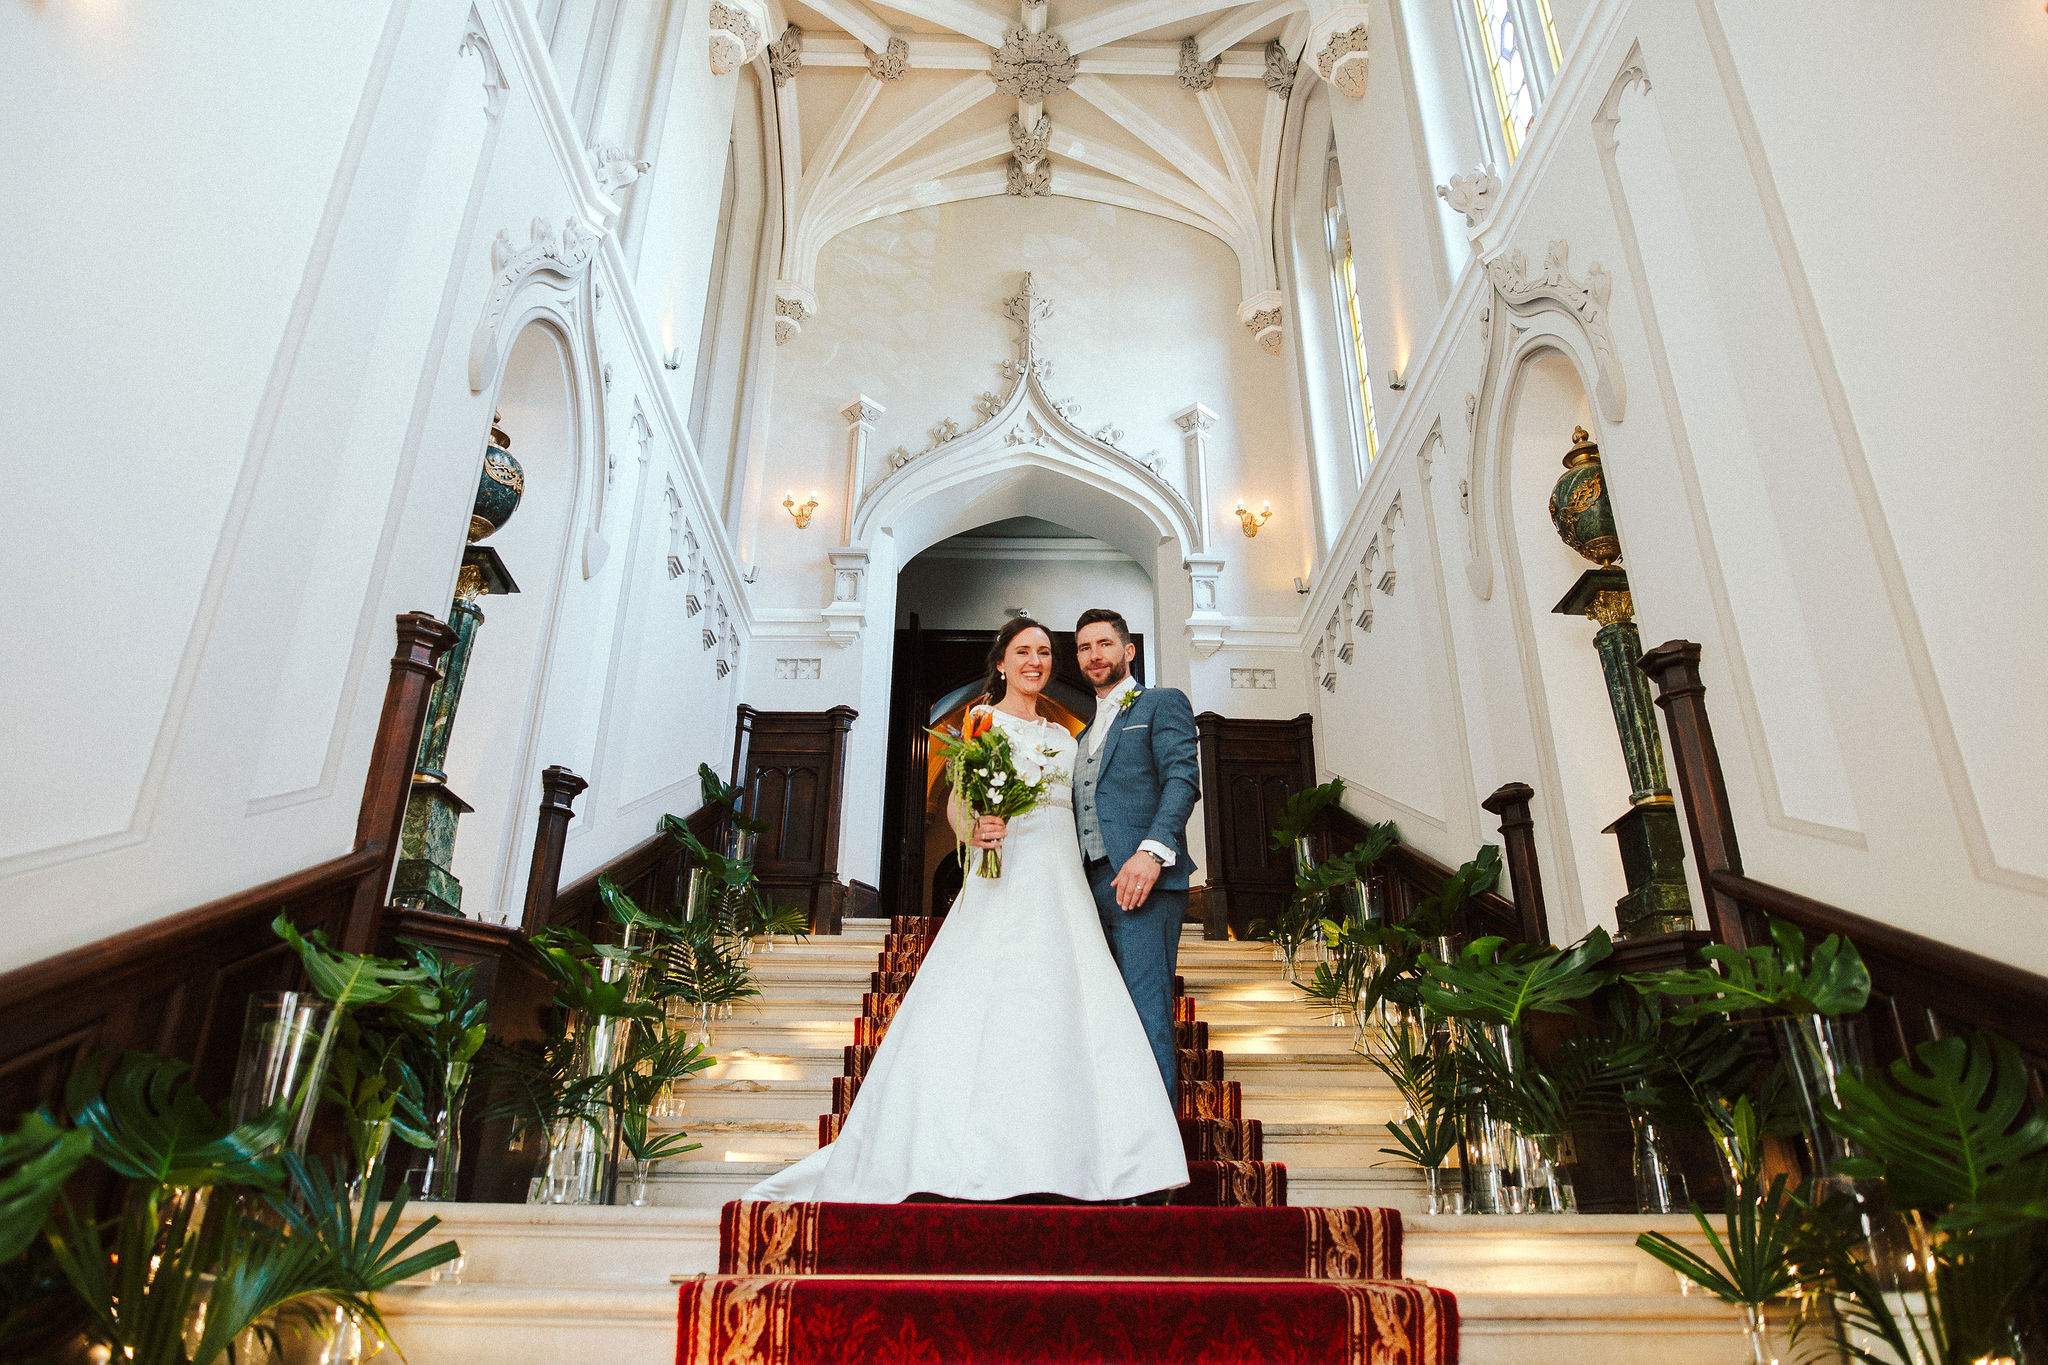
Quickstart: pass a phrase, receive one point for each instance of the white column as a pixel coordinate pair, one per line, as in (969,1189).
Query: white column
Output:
(847,613)
(1205,621)
(860,417)
(1196,422)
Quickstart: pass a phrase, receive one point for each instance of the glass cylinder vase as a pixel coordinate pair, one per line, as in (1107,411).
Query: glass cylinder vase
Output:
(437,1173)
(1660,1185)
(1818,1051)
(286,1039)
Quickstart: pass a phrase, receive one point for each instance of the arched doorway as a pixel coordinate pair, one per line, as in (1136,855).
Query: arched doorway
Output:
(952,599)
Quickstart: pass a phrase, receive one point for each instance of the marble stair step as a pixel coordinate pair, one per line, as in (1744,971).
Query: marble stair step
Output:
(739,1100)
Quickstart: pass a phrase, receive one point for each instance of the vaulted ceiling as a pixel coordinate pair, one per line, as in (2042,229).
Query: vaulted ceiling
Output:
(1167,107)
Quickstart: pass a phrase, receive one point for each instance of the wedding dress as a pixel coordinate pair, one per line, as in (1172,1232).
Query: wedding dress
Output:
(1016,1063)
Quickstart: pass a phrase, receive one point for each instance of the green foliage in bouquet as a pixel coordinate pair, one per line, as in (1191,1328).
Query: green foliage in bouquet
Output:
(655,1061)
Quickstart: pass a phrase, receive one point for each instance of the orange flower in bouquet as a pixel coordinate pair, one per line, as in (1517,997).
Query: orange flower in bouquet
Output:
(982,767)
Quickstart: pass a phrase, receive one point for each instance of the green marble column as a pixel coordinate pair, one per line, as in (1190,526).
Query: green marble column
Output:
(1652,850)
(426,845)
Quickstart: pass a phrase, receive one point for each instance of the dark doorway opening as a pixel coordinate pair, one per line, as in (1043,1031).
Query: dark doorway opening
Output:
(936,675)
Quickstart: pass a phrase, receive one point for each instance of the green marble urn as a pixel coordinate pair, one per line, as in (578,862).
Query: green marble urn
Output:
(498,488)
(1578,504)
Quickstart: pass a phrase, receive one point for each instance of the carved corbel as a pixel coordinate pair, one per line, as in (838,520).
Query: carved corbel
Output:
(1337,43)
(1261,316)
(793,305)
(739,30)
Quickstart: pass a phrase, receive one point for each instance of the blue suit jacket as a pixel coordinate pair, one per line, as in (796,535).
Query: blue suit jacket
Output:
(1150,780)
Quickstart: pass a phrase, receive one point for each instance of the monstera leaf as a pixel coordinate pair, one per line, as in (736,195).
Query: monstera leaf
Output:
(1496,982)
(1939,1132)
(353,980)
(1779,977)
(148,1124)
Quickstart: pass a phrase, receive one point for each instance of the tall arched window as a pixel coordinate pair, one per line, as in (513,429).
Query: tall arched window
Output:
(1344,282)
(1513,75)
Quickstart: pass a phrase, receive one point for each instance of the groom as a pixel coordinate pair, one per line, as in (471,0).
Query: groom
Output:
(1135,783)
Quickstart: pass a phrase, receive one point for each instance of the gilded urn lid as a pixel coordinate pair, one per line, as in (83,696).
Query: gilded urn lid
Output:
(1578,504)
(498,488)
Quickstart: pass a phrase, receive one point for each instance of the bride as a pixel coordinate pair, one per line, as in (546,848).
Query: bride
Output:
(1016,1063)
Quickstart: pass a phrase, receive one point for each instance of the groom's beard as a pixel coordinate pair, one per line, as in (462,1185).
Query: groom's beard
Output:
(1117,674)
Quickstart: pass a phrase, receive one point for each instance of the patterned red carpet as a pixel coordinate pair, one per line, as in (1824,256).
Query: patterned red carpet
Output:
(1228,1276)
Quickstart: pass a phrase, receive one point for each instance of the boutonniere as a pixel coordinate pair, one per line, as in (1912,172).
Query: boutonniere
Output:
(1125,703)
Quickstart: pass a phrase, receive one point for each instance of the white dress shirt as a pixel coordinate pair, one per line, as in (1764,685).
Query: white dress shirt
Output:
(1106,710)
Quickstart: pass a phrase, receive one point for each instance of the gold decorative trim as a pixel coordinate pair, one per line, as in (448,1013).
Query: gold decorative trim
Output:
(499,466)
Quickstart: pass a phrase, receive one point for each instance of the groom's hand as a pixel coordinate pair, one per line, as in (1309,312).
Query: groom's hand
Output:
(1134,881)
(988,832)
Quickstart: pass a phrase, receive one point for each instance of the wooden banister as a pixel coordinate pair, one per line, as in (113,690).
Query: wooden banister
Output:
(1518,843)
(415,668)
(558,791)
(1674,669)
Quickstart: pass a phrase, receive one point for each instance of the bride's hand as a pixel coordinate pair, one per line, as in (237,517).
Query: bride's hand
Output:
(988,832)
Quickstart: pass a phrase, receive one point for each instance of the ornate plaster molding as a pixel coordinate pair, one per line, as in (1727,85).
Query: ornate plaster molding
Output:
(1280,69)
(616,167)
(786,56)
(739,29)
(893,64)
(1261,315)
(1338,42)
(563,256)
(476,38)
(1030,172)
(793,305)
(1475,194)
(1194,73)
(1586,300)
(1031,66)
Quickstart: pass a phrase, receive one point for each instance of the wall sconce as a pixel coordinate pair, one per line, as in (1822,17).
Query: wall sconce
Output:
(1395,381)
(803,513)
(674,359)
(1252,521)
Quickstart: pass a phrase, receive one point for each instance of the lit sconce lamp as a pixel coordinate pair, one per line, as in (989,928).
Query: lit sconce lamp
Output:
(1252,521)
(803,513)
(1395,381)
(674,359)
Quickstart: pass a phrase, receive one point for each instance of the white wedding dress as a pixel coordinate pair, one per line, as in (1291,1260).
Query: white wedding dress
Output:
(1016,1063)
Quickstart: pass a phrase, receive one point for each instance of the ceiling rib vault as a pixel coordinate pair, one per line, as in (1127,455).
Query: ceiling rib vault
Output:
(1166,107)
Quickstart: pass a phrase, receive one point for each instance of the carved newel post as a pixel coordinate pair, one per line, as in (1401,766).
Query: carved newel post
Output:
(1652,852)
(426,847)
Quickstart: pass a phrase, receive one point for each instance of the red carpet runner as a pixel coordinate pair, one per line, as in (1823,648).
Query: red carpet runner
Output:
(1229,1275)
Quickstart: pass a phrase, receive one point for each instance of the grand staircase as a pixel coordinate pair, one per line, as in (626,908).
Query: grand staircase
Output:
(564,1284)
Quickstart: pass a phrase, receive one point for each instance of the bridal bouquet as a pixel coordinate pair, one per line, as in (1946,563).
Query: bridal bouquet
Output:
(987,772)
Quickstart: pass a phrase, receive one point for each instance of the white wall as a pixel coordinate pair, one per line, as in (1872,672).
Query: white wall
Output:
(958,585)
(243,436)
(1813,383)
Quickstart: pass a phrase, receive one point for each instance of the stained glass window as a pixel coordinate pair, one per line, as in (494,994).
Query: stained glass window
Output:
(1507,66)
(1345,279)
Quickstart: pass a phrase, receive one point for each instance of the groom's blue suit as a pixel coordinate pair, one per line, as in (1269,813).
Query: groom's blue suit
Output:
(1142,785)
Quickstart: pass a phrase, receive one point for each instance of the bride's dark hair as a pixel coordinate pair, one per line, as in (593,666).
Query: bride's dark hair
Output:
(992,686)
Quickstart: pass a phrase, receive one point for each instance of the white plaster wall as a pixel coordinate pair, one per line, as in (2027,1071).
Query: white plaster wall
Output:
(1866,679)
(283,234)
(1144,324)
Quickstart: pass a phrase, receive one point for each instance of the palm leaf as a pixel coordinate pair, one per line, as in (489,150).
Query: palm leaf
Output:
(1301,810)
(1758,1259)
(1434,915)
(35,1161)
